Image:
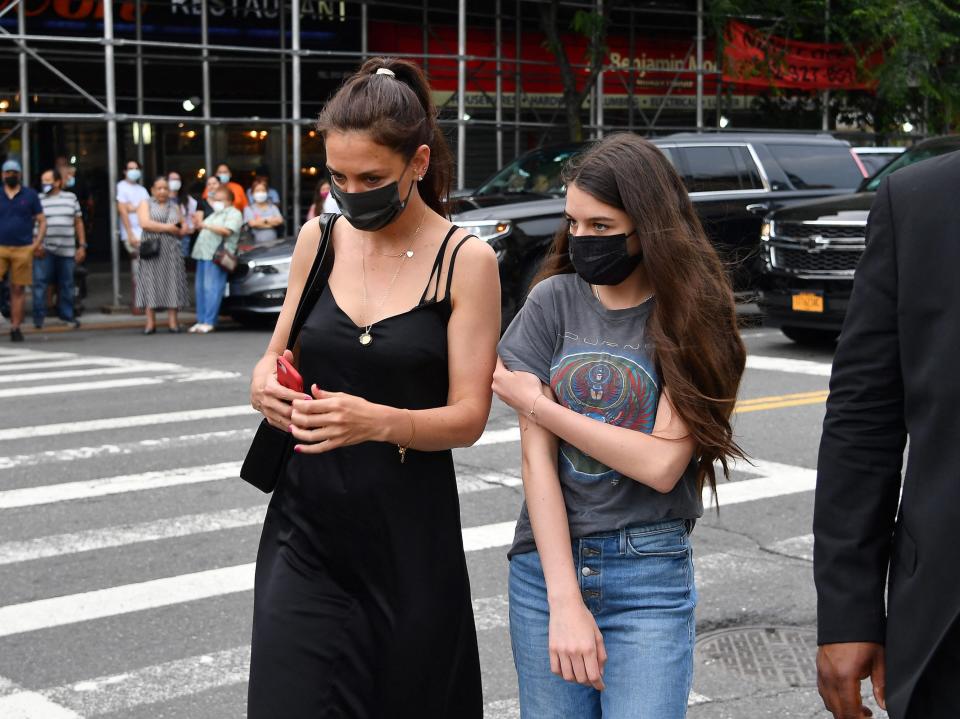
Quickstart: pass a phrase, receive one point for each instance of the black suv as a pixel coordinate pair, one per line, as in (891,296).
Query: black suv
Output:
(810,252)
(734,179)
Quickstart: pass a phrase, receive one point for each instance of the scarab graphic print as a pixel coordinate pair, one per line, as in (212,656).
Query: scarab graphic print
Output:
(608,388)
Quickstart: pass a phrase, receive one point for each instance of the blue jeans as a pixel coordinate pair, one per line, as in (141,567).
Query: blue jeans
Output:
(640,589)
(210,283)
(53,268)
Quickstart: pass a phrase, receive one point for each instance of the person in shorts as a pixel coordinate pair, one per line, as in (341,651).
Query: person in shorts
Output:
(20,210)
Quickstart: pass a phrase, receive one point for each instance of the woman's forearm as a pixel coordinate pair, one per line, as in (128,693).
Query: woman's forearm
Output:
(433,430)
(548,513)
(655,461)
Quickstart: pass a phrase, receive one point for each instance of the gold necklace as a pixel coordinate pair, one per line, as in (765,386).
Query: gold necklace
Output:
(366,338)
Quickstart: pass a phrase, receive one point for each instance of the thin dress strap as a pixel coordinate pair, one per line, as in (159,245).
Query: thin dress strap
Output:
(453,259)
(437,263)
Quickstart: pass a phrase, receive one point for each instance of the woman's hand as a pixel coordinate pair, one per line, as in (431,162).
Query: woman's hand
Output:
(268,396)
(576,645)
(517,389)
(334,419)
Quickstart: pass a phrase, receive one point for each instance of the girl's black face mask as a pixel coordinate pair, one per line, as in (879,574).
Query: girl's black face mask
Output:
(602,259)
(371,210)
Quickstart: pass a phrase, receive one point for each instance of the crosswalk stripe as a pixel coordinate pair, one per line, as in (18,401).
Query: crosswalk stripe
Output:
(124,599)
(141,420)
(84,489)
(32,360)
(68,374)
(124,448)
(788,365)
(57,545)
(96,539)
(16,364)
(31,705)
(196,376)
(78,387)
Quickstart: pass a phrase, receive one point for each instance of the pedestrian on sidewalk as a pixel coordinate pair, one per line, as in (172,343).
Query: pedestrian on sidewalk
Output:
(130,195)
(362,603)
(162,278)
(188,208)
(262,216)
(20,211)
(322,201)
(204,208)
(885,565)
(224,175)
(262,174)
(623,367)
(64,247)
(222,227)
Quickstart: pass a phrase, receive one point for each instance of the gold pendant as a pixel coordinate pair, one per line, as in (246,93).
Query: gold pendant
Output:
(366,338)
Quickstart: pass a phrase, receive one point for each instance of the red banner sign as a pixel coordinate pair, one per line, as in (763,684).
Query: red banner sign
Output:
(755,58)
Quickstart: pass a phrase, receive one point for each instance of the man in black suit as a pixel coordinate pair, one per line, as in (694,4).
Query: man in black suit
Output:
(896,374)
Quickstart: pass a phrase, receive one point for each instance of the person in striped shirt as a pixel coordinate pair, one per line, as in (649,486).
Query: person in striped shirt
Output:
(64,245)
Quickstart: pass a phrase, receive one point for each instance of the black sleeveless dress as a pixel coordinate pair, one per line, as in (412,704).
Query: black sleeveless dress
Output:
(362,602)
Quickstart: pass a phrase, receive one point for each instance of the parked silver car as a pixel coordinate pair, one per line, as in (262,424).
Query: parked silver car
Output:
(258,286)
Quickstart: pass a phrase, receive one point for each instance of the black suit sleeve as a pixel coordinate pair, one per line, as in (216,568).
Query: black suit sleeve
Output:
(861,450)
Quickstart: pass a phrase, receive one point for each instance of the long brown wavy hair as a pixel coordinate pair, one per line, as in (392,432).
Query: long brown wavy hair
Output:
(398,112)
(697,347)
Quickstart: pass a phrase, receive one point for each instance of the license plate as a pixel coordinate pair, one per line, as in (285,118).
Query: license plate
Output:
(807,302)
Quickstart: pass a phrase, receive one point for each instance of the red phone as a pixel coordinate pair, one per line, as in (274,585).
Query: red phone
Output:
(288,376)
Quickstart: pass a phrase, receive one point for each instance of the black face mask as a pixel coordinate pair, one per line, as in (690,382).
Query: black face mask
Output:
(602,259)
(11,180)
(371,210)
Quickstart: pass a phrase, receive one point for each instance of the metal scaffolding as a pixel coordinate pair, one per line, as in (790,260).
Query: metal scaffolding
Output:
(290,117)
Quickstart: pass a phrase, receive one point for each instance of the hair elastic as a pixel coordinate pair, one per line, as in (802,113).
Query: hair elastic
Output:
(385,71)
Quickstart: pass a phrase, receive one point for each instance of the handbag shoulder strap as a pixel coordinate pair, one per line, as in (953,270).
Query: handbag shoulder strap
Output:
(316,280)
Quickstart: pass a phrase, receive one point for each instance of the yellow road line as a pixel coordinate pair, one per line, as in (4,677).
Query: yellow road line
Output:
(758,404)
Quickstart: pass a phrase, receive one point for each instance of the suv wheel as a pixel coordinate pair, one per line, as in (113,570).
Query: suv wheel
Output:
(811,336)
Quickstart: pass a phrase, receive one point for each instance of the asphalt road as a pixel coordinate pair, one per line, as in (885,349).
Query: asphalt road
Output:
(127,540)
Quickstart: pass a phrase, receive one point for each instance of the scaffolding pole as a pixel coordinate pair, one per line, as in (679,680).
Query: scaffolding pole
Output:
(284,131)
(139,63)
(295,112)
(598,109)
(499,109)
(205,74)
(24,95)
(461,92)
(112,156)
(516,82)
(699,65)
(364,39)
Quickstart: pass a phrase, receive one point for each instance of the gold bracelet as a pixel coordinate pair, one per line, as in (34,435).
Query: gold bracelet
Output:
(533,409)
(413,434)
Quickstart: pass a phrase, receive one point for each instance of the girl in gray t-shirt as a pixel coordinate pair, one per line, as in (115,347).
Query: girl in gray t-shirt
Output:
(623,367)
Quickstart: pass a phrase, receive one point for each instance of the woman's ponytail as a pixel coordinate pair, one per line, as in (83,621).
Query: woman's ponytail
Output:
(396,108)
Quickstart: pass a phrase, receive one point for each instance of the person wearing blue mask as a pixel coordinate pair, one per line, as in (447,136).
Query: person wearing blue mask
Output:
(226,179)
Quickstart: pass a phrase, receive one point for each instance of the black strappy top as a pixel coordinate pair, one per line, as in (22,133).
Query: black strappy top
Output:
(384,535)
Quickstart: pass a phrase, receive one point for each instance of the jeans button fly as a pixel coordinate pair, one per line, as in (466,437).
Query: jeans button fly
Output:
(588,572)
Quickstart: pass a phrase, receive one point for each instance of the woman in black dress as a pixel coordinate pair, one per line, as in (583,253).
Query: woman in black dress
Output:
(362,603)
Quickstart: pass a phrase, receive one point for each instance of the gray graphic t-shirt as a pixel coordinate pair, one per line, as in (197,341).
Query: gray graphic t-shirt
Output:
(598,363)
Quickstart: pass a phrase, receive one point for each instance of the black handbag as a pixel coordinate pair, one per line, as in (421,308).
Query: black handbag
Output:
(267,457)
(149,246)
